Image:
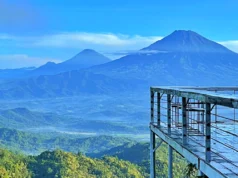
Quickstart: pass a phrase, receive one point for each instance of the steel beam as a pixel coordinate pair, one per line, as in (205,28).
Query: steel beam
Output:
(202,119)
(170,162)
(204,96)
(152,154)
(184,120)
(152,106)
(159,144)
(208,132)
(152,138)
(177,111)
(169,113)
(158,108)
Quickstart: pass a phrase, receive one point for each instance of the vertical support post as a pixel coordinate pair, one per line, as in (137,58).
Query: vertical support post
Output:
(188,115)
(198,116)
(169,113)
(234,109)
(170,166)
(176,111)
(152,154)
(208,132)
(184,119)
(152,138)
(215,112)
(202,119)
(158,109)
(152,106)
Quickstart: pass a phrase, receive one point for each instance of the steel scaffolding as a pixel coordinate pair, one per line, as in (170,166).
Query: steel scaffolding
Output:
(200,124)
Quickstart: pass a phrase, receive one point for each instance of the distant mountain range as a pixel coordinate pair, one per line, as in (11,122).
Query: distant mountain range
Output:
(182,58)
(14,73)
(84,59)
(64,84)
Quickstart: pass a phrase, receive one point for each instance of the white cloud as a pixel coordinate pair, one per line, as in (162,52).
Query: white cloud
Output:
(232,45)
(88,40)
(22,60)
(106,43)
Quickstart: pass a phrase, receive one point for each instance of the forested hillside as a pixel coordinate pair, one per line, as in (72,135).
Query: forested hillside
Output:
(138,153)
(30,143)
(64,165)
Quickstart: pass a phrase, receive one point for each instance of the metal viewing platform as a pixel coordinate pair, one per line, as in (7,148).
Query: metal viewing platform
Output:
(200,124)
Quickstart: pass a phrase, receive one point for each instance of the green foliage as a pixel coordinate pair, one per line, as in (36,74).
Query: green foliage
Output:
(190,170)
(129,160)
(138,153)
(12,165)
(108,153)
(60,164)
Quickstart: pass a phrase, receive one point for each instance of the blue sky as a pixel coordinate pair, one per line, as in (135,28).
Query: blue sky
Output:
(33,32)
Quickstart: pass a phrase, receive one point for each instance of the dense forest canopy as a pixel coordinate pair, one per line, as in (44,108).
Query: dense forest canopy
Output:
(64,165)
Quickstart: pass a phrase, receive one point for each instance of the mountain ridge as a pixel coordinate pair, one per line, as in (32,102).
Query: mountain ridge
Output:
(84,59)
(182,58)
(187,41)
(139,71)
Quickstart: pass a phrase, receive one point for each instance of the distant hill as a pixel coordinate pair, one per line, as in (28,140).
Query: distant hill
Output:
(64,164)
(6,74)
(181,58)
(35,143)
(133,152)
(34,121)
(64,84)
(84,59)
(23,118)
(139,153)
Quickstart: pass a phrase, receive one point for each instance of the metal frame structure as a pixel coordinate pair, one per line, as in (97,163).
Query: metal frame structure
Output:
(187,119)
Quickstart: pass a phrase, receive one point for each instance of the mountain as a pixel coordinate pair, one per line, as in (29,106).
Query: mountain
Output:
(84,59)
(187,41)
(133,152)
(14,73)
(181,58)
(64,84)
(23,118)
